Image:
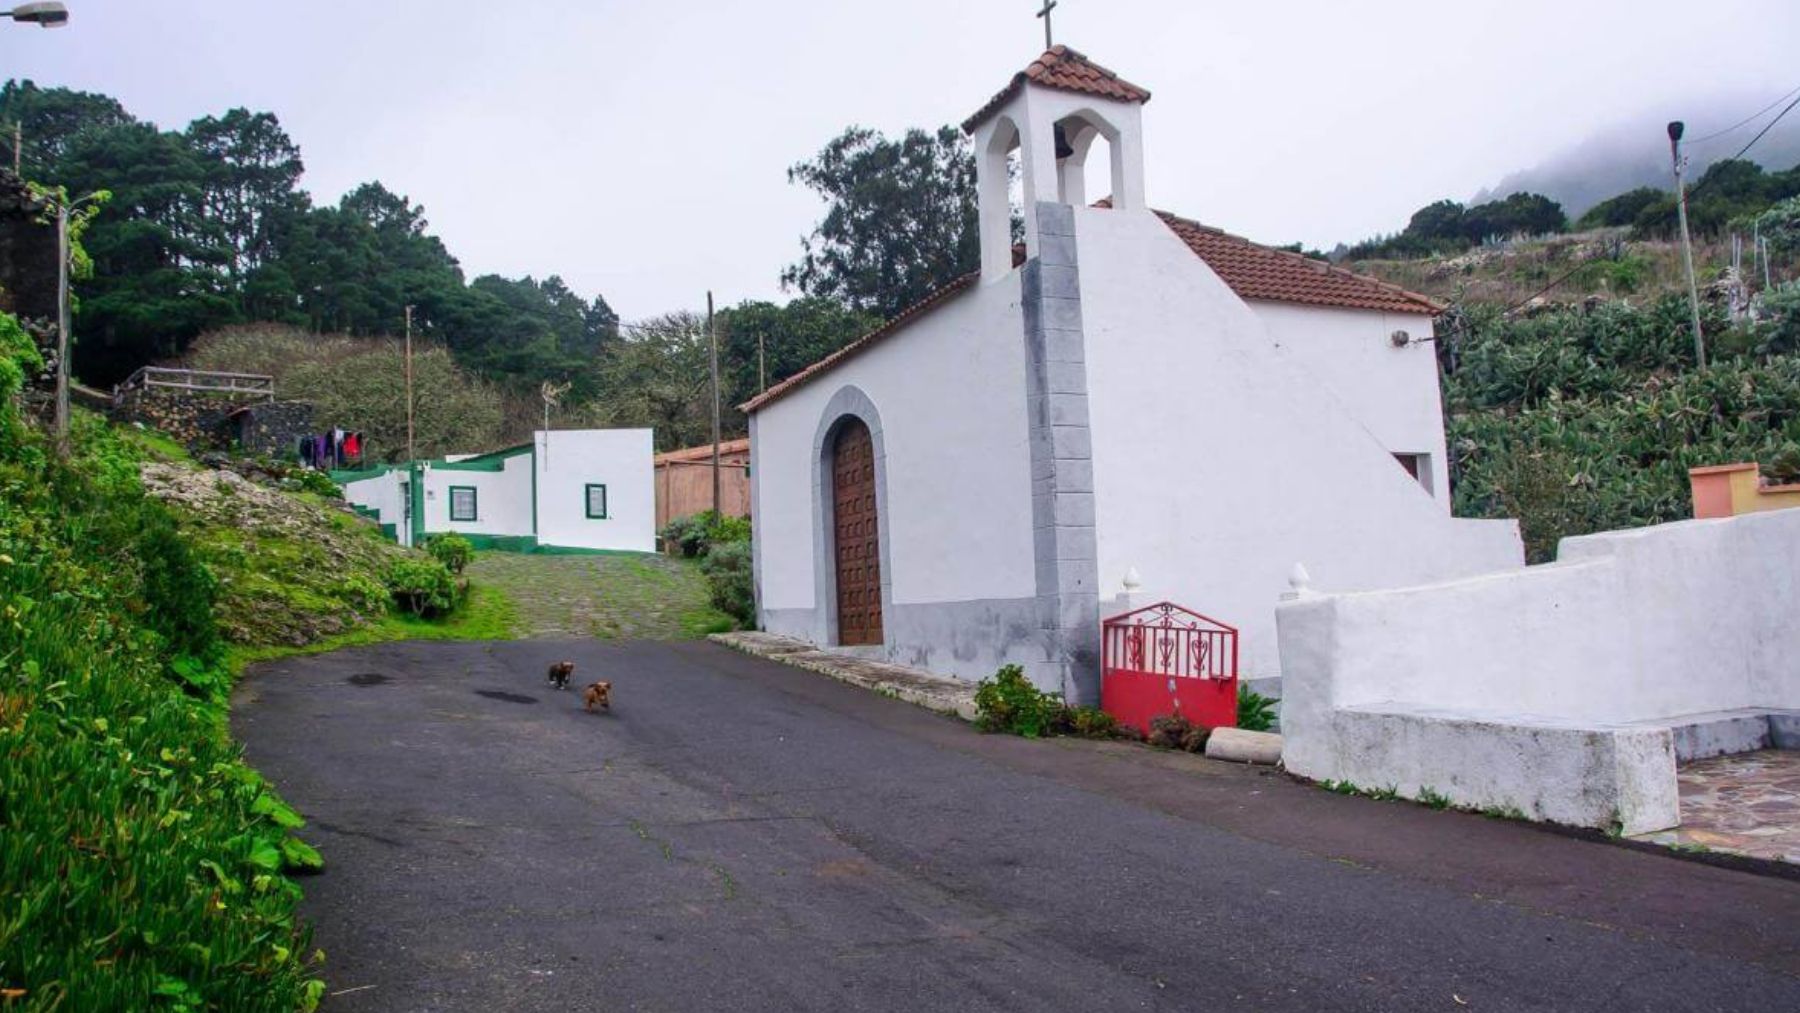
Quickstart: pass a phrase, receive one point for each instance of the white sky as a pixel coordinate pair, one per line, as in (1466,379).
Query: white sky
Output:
(639,148)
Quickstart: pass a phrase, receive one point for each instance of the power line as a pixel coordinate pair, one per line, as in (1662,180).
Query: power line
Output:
(1741,151)
(1748,119)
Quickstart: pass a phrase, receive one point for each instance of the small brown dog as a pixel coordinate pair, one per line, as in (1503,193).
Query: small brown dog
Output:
(598,695)
(559,674)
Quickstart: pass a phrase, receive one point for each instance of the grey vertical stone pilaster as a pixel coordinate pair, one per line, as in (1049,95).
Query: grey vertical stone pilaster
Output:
(1062,470)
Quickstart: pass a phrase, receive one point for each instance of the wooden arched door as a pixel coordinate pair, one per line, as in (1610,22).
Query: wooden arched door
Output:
(856,535)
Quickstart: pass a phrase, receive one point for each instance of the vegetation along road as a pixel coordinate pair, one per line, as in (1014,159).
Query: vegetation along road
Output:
(742,835)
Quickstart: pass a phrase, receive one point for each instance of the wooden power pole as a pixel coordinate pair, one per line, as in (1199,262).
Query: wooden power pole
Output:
(712,338)
(410,456)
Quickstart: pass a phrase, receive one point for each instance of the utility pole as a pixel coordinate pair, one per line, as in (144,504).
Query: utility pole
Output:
(410,456)
(762,374)
(62,326)
(712,337)
(1687,243)
(18,148)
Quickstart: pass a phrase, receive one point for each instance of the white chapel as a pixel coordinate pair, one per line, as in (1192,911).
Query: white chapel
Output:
(970,484)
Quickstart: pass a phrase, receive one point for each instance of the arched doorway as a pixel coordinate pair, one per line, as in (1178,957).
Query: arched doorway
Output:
(856,534)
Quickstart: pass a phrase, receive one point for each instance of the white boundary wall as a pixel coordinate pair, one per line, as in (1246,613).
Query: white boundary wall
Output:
(1553,689)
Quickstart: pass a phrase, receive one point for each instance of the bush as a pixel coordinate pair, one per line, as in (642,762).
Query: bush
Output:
(1176,732)
(316,482)
(1255,712)
(1008,702)
(1091,723)
(422,586)
(730,577)
(696,534)
(451,549)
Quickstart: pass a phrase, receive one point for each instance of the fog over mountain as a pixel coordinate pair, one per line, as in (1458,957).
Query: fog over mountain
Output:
(1636,153)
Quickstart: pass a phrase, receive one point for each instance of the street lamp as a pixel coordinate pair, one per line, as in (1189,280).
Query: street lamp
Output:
(44,15)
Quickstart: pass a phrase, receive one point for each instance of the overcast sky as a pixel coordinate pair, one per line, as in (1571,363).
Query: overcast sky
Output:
(638,148)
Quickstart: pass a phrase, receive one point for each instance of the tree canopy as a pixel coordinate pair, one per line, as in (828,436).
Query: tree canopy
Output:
(208,227)
(900,218)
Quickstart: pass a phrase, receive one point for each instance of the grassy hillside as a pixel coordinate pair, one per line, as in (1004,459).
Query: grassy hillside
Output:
(143,864)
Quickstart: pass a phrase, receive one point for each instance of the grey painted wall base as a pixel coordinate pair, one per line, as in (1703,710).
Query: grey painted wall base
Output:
(965,639)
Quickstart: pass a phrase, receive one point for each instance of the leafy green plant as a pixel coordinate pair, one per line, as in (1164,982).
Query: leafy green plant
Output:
(696,534)
(731,580)
(1008,702)
(315,482)
(1091,723)
(143,859)
(451,549)
(1255,712)
(1431,798)
(422,586)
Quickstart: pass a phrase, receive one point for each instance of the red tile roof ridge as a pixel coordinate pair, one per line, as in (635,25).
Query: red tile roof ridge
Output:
(1321,266)
(1063,69)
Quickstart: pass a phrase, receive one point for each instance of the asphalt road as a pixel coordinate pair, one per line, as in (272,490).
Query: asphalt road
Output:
(740,835)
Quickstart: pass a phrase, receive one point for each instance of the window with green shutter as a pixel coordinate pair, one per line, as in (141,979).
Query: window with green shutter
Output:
(462,502)
(596,502)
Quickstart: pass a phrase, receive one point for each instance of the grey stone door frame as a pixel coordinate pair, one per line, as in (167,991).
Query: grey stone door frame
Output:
(848,403)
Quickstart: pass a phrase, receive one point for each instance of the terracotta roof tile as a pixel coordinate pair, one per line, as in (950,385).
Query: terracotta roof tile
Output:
(1255,271)
(1064,69)
(703,452)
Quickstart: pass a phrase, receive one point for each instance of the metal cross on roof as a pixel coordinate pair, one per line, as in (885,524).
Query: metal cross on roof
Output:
(1049,5)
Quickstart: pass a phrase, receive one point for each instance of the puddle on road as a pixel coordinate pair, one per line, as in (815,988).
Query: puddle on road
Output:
(367,679)
(498,694)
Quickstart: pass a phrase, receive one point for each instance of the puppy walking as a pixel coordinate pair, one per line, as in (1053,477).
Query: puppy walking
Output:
(598,695)
(559,673)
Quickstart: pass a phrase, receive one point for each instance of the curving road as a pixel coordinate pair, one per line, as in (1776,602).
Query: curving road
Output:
(740,835)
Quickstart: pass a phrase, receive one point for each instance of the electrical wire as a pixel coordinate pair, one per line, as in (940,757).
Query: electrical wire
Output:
(1748,119)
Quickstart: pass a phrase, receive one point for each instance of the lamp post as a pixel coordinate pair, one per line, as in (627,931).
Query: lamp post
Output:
(43,15)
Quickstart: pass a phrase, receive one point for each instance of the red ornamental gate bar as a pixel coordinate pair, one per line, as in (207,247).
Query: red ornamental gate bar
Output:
(1164,659)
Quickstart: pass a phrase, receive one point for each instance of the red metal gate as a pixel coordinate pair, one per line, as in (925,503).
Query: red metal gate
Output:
(1164,659)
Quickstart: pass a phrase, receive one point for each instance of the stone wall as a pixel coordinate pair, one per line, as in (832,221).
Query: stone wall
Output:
(270,429)
(200,421)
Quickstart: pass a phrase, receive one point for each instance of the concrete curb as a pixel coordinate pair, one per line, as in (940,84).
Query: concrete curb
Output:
(922,689)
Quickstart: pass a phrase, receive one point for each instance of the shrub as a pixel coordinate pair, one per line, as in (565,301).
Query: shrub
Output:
(316,482)
(451,549)
(1008,702)
(1172,731)
(696,534)
(422,586)
(1091,723)
(1255,712)
(730,578)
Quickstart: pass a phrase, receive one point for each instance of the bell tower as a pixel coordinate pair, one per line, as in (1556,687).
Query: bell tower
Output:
(1051,113)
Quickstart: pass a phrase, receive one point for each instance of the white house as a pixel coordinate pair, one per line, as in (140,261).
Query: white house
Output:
(969,484)
(567,488)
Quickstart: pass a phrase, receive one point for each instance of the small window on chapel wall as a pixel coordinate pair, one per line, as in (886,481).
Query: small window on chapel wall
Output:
(596,502)
(462,502)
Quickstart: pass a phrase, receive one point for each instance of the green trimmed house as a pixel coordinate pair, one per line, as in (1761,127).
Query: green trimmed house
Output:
(566,489)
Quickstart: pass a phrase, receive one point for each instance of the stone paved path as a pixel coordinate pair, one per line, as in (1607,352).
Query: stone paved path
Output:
(631,596)
(1747,804)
